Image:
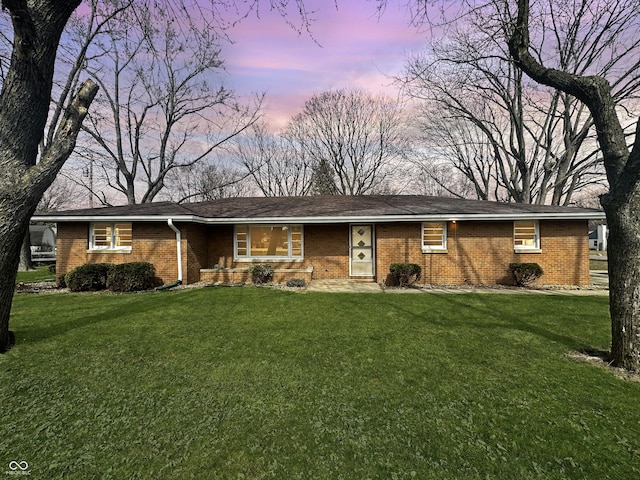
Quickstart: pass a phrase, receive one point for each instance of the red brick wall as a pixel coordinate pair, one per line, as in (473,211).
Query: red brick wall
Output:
(478,252)
(72,242)
(220,242)
(195,250)
(326,249)
(152,242)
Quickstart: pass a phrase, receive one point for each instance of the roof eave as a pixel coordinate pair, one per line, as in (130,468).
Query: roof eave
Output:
(113,218)
(409,218)
(321,220)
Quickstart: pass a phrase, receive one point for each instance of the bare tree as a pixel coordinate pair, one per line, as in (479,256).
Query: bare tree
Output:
(274,164)
(622,163)
(29,165)
(66,80)
(63,193)
(6,45)
(542,146)
(158,110)
(354,135)
(24,106)
(434,177)
(457,143)
(204,182)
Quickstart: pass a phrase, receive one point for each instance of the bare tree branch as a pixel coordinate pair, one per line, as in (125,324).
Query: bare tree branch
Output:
(160,111)
(358,135)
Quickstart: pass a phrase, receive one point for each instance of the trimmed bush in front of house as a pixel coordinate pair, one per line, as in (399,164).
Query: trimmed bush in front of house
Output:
(131,277)
(261,273)
(125,277)
(525,273)
(405,274)
(89,277)
(296,283)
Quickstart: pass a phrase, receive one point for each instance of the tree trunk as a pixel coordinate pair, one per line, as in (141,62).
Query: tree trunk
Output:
(24,105)
(26,262)
(19,199)
(621,204)
(623,253)
(10,241)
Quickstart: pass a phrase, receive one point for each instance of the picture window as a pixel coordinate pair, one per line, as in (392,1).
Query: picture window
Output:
(268,241)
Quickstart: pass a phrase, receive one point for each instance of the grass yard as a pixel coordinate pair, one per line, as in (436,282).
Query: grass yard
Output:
(598,265)
(37,275)
(253,383)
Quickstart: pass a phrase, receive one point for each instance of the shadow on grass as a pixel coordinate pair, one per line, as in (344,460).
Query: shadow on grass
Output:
(99,308)
(484,312)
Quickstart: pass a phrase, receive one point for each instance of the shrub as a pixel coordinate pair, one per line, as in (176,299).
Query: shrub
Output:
(261,273)
(131,277)
(296,283)
(89,277)
(405,273)
(525,273)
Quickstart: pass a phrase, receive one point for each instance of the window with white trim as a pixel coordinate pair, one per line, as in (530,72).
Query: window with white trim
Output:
(268,241)
(526,235)
(110,236)
(434,236)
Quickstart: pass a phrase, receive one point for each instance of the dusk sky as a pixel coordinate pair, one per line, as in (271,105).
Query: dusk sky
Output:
(354,48)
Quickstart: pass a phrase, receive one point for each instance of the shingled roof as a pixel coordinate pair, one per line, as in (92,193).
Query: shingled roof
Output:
(324,209)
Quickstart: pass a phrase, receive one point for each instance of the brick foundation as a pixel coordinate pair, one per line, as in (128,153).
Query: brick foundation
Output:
(243,275)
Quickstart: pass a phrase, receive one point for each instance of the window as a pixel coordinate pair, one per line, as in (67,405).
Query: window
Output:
(110,236)
(434,237)
(268,241)
(526,236)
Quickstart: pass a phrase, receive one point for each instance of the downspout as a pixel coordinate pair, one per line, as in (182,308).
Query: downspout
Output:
(179,252)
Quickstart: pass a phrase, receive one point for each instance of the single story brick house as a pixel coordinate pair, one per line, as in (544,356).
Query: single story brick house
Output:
(455,241)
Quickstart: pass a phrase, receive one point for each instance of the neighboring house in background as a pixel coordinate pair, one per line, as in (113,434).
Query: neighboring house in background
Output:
(43,243)
(455,241)
(598,238)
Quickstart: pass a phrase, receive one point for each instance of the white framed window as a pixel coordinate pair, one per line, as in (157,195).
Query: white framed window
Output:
(434,237)
(268,241)
(110,236)
(526,235)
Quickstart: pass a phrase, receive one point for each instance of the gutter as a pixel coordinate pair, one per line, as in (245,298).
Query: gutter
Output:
(179,252)
(326,219)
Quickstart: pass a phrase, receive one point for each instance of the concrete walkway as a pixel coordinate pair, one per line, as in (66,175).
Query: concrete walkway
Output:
(343,286)
(599,286)
(600,278)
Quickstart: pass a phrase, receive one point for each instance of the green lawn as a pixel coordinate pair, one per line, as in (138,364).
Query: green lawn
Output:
(39,274)
(598,265)
(254,383)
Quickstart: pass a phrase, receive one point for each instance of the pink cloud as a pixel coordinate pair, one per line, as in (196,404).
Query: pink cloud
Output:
(351,46)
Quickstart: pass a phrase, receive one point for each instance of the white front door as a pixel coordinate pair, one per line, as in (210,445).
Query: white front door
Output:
(362,251)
